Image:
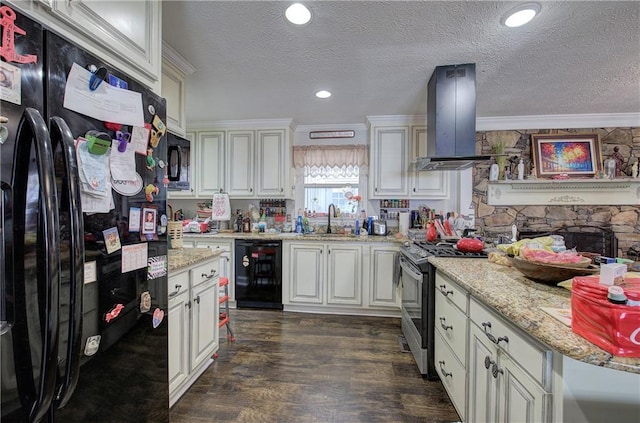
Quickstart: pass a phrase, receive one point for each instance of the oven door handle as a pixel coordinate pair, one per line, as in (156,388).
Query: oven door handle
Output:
(407,267)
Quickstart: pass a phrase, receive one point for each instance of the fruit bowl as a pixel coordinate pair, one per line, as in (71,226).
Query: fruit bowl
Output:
(550,273)
(583,263)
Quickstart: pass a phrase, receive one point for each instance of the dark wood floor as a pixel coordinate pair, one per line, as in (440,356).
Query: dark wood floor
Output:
(297,367)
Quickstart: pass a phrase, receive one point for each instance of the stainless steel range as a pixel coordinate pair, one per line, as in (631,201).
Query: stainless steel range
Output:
(418,299)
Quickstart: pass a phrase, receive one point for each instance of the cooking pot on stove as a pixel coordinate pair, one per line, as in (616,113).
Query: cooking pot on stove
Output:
(469,244)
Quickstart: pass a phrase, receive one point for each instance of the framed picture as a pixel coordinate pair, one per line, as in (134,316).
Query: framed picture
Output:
(148,226)
(575,155)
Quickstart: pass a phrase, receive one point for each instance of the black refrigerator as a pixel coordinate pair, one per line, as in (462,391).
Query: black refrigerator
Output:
(82,295)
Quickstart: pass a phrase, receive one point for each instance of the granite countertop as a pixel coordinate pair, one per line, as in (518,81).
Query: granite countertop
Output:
(519,299)
(184,257)
(290,236)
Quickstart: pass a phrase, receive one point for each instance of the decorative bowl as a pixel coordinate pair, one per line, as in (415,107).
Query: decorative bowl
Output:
(550,273)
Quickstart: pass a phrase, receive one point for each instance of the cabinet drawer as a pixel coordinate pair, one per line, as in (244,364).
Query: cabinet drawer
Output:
(452,325)
(525,351)
(177,284)
(205,272)
(452,375)
(445,287)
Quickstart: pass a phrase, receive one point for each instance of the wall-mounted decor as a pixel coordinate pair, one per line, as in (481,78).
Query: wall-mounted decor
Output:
(577,155)
(332,134)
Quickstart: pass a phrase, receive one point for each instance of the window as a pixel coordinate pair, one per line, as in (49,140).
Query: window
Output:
(327,187)
(332,174)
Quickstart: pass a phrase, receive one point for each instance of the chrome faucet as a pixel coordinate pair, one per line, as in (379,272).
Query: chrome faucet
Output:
(329,214)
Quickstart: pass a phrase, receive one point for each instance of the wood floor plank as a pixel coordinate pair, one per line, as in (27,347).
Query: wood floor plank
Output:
(306,368)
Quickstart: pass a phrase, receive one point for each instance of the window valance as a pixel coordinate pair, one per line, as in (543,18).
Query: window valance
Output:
(332,156)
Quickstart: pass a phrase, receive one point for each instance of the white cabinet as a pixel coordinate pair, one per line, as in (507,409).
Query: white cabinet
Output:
(430,184)
(509,375)
(210,163)
(450,348)
(126,34)
(193,324)
(226,262)
(175,70)
(382,290)
(389,160)
(240,159)
(188,167)
(323,274)
(393,149)
(258,163)
(273,163)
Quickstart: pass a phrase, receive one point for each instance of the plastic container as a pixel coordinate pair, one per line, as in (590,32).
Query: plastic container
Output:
(613,327)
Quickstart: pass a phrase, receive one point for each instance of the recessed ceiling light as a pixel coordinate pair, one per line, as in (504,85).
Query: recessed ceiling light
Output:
(520,15)
(298,14)
(323,94)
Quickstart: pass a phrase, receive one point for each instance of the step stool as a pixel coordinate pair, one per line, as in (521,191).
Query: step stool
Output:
(225,316)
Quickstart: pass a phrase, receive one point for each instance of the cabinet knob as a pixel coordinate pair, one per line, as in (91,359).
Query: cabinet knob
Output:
(414,190)
(197,299)
(188,305)
(250,189)
(495,371)
(281,189)
(488,362)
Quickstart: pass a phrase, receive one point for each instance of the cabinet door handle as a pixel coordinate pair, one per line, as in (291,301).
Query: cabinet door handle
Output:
(250,189)
(329,250)
(495,370)
(197,299)
(445,327)
(414,190)
(281,189)
(174,293)
(213,273)
(188,304)
(491,337)
(443,289)
(442,369)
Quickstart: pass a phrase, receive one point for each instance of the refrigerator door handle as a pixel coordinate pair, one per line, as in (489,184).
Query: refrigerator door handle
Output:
(61,138)
(6,248)
(36,398)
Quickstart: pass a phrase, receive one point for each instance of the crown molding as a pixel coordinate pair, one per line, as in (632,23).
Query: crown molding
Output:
(240,124)
(396,120)
(332,127)
(175,59)
(594,120)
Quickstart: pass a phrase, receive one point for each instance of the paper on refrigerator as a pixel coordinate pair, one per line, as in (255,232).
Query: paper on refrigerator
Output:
(106,103)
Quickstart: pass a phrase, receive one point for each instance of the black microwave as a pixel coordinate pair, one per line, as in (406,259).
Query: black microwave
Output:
(179,157)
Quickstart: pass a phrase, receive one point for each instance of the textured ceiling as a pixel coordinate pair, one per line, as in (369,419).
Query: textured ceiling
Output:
(376,58)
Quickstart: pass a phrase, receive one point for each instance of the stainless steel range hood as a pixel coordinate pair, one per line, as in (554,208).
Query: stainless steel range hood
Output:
(451,119)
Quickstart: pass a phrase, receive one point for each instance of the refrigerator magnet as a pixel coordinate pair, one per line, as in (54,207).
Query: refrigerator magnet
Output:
(149,192)
(113,313)
(157,267)
(140,138)
(92,345)
(145,302)
(149,218)
(111,239)
(117,82)
(10,83)
(134,219)
(158,316)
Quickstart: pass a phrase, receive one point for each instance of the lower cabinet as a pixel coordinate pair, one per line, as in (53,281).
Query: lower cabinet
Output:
(226,262)
(335,277)
(193,324)
(323,274)
(509,375)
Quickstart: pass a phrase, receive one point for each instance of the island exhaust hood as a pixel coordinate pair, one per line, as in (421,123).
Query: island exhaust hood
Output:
(451,119)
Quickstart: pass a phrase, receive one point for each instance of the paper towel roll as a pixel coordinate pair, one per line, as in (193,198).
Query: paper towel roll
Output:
(403,223)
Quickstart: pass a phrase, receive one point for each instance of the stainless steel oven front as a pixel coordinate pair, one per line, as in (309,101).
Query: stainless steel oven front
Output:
(415,315)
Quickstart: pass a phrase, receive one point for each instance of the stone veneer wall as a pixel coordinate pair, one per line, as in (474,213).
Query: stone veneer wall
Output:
(492,220)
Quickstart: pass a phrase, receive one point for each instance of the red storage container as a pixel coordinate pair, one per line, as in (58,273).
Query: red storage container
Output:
(614,328)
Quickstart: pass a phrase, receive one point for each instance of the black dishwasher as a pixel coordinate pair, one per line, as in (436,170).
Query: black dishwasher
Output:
(258,274)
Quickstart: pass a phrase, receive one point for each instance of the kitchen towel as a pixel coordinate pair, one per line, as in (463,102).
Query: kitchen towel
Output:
(220,207)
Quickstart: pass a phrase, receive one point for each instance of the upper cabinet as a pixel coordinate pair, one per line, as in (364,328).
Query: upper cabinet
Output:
(126,34)
(426,184)
(246,161)
(389,159)
(394,145)
(175,70)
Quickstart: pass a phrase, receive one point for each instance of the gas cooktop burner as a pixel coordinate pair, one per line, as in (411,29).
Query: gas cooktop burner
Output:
(419,252)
